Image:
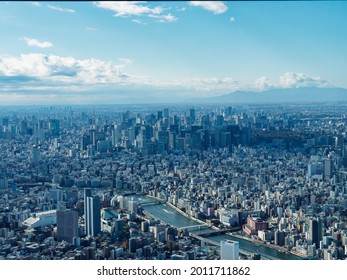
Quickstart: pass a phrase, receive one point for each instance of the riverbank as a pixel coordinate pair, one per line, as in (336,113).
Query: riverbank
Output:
(279,249)
(179,210)
(273,246)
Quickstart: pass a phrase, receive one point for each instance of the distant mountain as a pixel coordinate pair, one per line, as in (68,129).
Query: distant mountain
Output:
(292,95)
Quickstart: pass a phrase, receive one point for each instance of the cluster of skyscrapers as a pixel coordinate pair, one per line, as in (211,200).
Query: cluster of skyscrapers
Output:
(275,176)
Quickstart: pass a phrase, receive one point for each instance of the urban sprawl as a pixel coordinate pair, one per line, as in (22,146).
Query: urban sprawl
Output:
(199,182)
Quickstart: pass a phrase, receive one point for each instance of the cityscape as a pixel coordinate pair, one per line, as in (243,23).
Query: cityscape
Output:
(174,183)
(173,130)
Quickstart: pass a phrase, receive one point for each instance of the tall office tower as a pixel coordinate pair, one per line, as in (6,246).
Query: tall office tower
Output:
(166,113)
(219,120)
(54,127)
(5,121)
(116,134)
(85,141)
(192,115)
(132,245)
(23,127)
(35,155)
(67,225)
(159,115)
(118,227)
(132,206)
(172,140)
(315,231)
(87,193)
(230,250)
(328,168)
(93,216)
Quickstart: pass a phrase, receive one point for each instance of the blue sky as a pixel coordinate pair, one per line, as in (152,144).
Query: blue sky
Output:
(97,52)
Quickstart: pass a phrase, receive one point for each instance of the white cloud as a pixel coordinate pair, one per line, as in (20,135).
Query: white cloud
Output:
(217,86)
(134,8)
(263,83)
(35,43)
(216,7)
(56,8)
(181,9)
(296,80)
(209,86)
(56,71)
(126,8)
(36,4)
(30,71)
(164,18)
(290,80)
(43,74)
(138,21)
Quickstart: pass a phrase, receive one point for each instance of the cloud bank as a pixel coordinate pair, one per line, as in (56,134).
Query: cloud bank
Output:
(69,77)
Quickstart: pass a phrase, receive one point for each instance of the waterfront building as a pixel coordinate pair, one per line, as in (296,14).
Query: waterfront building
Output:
(254,224)
(229,250)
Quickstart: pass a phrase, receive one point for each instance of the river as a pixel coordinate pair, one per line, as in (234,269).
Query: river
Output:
(249,246)
(170,216)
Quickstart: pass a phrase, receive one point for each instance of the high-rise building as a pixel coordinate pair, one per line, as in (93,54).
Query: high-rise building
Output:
(229,250)
(315,231)
(132,206)
(132,245)
(192,115)
(87,193)
(328,168)
(35,155)
(92,215)
(67,225)
(54,127)
(279,237)
(166,113)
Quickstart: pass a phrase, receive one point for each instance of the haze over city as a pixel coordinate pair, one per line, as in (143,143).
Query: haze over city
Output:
(150,52)
(197,130)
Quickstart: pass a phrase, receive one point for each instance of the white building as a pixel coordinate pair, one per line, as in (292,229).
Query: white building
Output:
(230,250)
(42,219)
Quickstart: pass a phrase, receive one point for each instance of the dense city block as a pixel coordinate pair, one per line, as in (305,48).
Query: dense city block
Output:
(173,182)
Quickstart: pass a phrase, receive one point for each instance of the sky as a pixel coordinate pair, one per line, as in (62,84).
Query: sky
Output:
(133,52)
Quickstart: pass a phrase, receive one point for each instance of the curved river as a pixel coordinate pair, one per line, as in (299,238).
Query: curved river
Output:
(176,219)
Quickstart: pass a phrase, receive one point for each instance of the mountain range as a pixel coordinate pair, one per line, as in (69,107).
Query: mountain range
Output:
(291,95)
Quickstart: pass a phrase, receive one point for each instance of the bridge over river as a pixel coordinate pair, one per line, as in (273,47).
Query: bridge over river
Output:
(149,203)
(202,231)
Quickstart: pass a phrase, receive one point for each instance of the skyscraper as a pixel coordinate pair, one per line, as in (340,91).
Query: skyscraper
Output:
(229,250)
(166,113)
(92,215)
(67,225)
(35,154)
(192,115)
(87,193)
(315,231)
(54,127)
(328,168)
